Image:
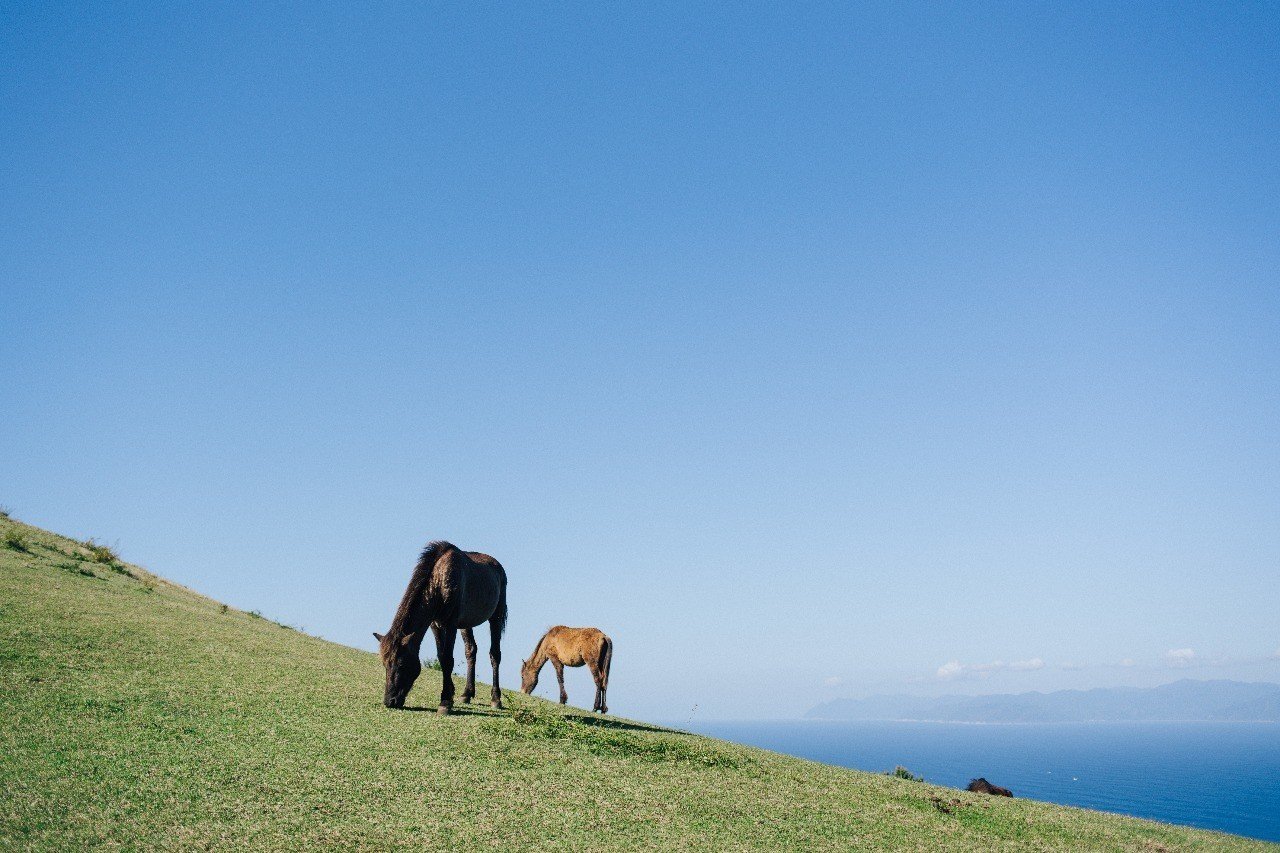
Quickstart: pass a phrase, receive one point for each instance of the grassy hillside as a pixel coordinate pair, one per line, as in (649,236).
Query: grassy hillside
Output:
(139,714)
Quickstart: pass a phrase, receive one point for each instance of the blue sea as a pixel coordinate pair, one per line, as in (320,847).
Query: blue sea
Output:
(1223,776)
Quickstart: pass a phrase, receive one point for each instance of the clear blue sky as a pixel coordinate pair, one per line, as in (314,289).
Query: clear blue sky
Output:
(807,352)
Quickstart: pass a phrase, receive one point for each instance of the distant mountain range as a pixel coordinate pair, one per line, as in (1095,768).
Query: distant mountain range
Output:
(1185,700)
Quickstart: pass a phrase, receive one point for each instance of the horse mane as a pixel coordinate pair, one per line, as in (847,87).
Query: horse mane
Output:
(542,641)
(431,553)
(410,614)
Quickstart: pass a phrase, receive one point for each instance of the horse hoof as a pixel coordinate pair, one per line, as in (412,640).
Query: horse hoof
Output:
(496,705)
(443,710)
(466,700)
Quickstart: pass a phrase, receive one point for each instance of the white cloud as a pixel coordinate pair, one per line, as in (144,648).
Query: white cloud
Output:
(1180,657)
(833,681)
(1127,662)
(954,669)
(987,668)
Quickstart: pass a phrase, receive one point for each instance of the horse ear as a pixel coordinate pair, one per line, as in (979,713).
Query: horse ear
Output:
(377,636)
(408,638)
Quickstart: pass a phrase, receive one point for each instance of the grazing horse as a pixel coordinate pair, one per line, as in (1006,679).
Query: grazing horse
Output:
(449,590)
(982,786)
(571,647)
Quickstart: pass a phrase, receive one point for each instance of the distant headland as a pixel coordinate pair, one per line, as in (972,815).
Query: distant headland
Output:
(1186,700)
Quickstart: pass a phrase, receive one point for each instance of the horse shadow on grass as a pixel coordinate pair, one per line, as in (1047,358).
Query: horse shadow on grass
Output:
(577,719)
(619,725)
(458,710)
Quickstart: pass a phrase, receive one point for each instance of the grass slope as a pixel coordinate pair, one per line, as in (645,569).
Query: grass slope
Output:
(138,714)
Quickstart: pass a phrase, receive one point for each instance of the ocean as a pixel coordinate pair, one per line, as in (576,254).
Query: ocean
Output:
(1223,776)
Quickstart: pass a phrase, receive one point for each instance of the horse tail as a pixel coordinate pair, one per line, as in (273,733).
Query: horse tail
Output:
(606,659)
(499,617)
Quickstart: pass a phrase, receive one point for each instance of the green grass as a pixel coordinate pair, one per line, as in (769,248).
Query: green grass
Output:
(14,540)
(138,714)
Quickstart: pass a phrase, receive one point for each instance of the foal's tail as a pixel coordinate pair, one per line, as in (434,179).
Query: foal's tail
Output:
(606,658)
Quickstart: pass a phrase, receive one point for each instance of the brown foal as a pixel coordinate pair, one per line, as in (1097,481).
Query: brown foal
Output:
(571,647)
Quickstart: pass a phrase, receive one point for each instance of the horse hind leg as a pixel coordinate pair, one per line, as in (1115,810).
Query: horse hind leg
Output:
(606,661)
(496,625)
(595,676)
(469,649)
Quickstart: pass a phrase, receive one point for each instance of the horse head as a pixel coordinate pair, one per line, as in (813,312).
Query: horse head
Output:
(528,676)
(401,661)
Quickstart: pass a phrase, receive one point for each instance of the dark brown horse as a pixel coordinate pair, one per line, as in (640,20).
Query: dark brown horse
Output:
(571,647)
(450,590)
(982,786)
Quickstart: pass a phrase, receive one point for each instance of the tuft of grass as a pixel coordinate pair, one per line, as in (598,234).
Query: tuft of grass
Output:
(223,609)
(100,553)
(15,541)
(901,772)
(4,512)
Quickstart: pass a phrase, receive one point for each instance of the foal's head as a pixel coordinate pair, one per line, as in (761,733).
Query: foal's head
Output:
(528,676)
(401,660)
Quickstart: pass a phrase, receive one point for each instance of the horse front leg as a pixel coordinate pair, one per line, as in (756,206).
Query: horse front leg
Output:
(469,649)
(445,638)
(559,667)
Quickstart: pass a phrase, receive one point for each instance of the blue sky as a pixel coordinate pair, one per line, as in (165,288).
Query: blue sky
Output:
(808,353)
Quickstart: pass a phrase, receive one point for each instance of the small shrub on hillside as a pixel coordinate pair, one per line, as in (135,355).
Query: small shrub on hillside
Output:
(100,553)
(539,723)
(4,512)
(431,663)
(901,772)
(256,614)
(15,541)
(222,609)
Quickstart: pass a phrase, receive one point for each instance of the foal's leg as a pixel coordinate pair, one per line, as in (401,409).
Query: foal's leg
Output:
(445,638)
(606,663)
(595,675)
(469,649)
(495,656)
(564,697)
